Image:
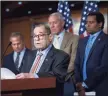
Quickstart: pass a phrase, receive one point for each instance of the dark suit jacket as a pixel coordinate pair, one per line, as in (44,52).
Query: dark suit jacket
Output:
(8,62)
(55,64)
(97,64)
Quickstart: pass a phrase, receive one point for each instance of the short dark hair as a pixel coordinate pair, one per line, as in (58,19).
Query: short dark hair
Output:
(17,34)
(99,17)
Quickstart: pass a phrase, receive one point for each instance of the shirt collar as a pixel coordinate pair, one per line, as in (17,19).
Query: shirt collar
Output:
(45,50)
(95,35)
(21,51)
(61,34)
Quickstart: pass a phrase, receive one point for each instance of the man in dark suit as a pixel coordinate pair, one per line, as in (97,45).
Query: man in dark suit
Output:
(15,61)
(91,64)
(46,61)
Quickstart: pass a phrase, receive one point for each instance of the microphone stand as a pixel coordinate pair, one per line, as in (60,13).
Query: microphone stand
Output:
(6,50)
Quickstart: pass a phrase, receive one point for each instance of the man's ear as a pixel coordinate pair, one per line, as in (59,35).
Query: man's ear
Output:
(51,37)
(63,23)
(100,24)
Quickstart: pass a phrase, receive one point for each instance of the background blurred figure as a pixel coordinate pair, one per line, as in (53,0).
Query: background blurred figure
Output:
(15,61)
(67,42)
(63,40)
(91,64)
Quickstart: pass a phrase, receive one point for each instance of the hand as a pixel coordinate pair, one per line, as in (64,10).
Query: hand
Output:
(25,75)
(82,93)
(80,89)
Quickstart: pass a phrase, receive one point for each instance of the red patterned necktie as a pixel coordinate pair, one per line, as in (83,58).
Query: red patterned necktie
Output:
(36,64)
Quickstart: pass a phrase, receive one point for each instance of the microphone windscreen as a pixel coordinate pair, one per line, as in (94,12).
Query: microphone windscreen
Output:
(10,43)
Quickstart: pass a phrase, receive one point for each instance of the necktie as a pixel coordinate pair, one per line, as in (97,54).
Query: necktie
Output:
(87,51)
(36,64)
(17,60)
(56,42)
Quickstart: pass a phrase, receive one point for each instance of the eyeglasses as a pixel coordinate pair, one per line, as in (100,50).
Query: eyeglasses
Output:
(39,36)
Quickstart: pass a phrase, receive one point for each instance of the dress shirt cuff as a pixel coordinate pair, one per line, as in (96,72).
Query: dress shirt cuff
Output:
(84,85)
(35,75)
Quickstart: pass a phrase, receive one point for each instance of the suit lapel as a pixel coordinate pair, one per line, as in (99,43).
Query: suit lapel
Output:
(48,61)
(12,59)
(31,59)
(66,38)
(28,59)
(96,42)
(23,60)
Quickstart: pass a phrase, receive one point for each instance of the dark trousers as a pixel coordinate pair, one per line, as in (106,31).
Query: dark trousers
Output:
(69,88)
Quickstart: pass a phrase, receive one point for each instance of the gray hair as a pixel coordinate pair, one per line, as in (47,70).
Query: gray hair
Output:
(59,15)
(47,28)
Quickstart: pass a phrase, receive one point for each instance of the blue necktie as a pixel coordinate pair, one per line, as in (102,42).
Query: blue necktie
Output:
(87,51)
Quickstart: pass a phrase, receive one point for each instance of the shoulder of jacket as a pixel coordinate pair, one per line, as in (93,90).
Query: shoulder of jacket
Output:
(72,35)
(60,52)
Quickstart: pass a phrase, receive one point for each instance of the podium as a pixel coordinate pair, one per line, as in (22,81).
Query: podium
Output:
(29,87)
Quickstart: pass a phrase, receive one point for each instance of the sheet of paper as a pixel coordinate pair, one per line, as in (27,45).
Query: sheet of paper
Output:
(86,93)
(7,74)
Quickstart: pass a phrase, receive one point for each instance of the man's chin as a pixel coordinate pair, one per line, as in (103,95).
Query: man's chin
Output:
(91,32)
(54,33)
(18,51)
(39,48)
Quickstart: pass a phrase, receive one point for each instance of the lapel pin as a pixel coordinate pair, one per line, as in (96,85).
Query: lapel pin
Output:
(99,39)
(46,59)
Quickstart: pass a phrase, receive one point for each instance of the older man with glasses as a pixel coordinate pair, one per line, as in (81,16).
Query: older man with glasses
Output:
(46,60)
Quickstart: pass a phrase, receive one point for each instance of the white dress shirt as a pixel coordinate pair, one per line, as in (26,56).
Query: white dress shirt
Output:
(60,39)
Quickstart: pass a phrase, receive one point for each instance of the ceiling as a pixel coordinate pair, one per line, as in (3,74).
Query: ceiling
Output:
(31,8)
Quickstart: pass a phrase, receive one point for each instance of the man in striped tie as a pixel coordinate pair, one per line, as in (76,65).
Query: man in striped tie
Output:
(48,61)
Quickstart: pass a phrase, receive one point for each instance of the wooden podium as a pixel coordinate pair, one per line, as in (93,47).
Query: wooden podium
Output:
(29,87)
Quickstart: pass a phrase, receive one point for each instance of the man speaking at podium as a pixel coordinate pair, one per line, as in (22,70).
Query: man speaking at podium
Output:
(46,60)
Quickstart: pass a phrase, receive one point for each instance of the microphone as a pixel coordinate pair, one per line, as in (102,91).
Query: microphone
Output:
(6,50)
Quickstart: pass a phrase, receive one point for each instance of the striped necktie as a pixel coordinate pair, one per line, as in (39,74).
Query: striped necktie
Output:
(17,60)
(36,64)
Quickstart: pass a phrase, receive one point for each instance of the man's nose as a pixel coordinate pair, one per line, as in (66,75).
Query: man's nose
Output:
(37,39)
(52,25)
(16,45)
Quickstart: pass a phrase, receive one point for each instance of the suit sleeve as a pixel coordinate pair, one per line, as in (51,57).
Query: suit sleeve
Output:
(73,53)
(59,67)
(78,64)
(100,72)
